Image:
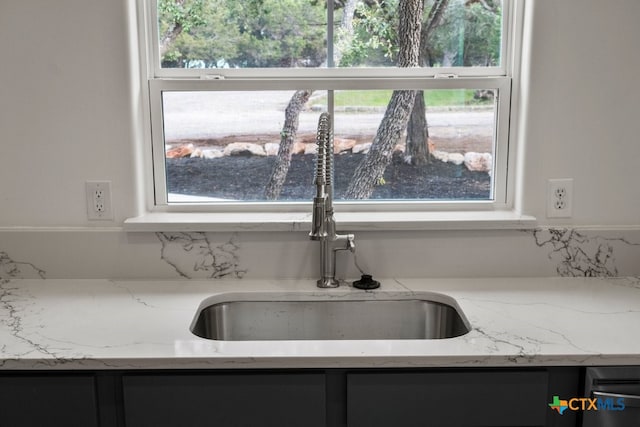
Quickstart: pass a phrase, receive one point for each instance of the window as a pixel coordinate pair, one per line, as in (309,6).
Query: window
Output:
(236,89)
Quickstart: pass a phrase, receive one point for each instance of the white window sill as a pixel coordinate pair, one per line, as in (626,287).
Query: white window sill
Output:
(346,221)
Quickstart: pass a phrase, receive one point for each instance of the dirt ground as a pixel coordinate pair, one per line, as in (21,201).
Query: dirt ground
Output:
(244,178)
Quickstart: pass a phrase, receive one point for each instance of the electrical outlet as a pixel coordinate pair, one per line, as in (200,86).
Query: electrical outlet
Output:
(99,200)
(559,198)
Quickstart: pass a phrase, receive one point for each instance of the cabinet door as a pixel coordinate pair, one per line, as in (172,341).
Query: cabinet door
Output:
(447,398)
(47,400)
(225,399)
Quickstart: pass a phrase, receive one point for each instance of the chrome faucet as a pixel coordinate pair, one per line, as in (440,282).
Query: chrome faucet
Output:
(323,224)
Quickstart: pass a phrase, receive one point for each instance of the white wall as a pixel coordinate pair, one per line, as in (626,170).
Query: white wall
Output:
(583,109)
(65,109)
(68,114)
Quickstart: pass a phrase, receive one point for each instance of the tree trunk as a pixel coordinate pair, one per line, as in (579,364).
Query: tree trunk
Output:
(433,20)
(345,32)
(418,133)
(169,37)
(172,33)
(370,171)
(418,129)
(287,138)
(348,11)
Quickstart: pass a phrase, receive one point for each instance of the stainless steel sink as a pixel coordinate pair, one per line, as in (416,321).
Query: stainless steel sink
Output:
(373,319)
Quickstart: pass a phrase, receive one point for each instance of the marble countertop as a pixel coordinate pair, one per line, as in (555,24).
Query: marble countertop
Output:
(105,324)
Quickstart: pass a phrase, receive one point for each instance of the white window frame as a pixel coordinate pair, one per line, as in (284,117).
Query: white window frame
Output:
(504,78)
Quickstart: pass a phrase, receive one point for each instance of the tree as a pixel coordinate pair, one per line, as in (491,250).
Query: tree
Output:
(176,17)
(287,138)
(374,35)
(468,35)
(417,150)
(346,30)
(279,33)
(370,171)
(416,147)
(251,33)
(295,106)
(209,45)
(483,31)
(481,47)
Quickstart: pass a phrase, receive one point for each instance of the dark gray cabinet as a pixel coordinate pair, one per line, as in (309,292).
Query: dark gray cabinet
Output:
(464,399)
(224,399)
(290,397)
(28,400)
(458,398)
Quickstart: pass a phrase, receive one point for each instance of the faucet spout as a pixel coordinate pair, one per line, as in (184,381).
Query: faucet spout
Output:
(323,225)
(322,202)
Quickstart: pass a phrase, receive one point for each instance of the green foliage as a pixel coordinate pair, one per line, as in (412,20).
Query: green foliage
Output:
(179,17)
(483,37)
(375,35)
(292,33)
(207,45)
(280,33)
(188,14)
(469,35)
(252,33)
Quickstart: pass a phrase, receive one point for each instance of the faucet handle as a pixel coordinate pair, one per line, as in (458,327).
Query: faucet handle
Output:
(318,228)
(351,242)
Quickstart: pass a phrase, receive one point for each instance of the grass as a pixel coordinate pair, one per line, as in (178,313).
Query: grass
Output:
(380,98)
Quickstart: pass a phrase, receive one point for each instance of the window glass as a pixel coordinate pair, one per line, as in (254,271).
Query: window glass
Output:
(236,89)
(242,34)
(225,145)
(302,34)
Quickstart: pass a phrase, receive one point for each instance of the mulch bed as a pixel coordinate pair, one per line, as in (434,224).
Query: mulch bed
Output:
(244,178)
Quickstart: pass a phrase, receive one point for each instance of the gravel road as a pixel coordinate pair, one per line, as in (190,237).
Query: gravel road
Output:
(207,115)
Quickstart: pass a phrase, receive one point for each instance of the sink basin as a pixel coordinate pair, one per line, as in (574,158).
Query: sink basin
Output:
(330,319)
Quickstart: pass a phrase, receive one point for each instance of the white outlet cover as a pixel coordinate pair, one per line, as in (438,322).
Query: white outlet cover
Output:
(104,187)
(560,198)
